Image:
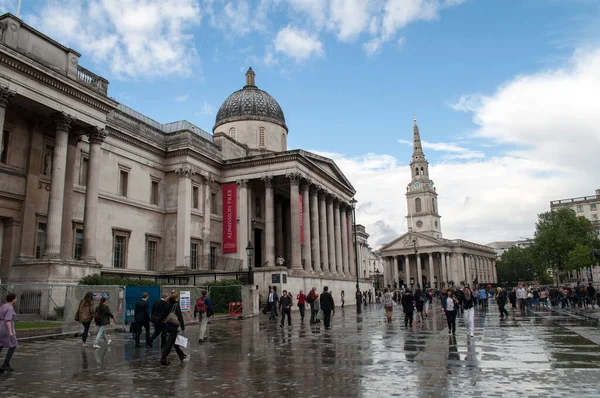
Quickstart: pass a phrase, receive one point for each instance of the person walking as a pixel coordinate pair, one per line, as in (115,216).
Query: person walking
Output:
(419,304)
(173,320)
(450,308)
(84,315)
(204,309)
(388,304)
(158,311)
(102,317)
(301,297)
(501,300)
(272,301)
(591,294)
(358,296)
(285,306)
(8,334)
(142,319)
(311,298)
(327,306)
(522,298)
(343,298)
(408,306)
(370,295)
(468,306)
(483,298)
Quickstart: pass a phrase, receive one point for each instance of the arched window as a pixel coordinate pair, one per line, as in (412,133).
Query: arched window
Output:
(232,132)
(417,171)
(422,171)
(261,137)
(418,205)
(283,144)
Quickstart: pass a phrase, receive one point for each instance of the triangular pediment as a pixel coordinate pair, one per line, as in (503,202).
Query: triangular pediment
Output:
(328,166)
(405,242)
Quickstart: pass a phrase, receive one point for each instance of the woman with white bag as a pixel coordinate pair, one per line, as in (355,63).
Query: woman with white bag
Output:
(173,320)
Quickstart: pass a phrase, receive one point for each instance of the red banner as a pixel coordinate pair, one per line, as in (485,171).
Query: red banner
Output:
(301,215)
(230,218)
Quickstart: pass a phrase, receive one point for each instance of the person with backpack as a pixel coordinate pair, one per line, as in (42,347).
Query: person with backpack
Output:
(84,315)
(173,320)
(102,317)
(311,300)
(204,309)
(419,304)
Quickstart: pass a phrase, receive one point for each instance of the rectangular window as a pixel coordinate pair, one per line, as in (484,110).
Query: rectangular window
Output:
(213,203)
(78,244)
(154,192)
(213,257)
(579,208)
(194,255)
(593,207)
(4,154)
(83,170)
(120,242)
(40,243)
(151,254)
(123,182)
(195,197)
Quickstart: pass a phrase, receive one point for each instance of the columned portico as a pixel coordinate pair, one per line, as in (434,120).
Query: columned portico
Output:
(431,274)
(331,235)
(407,263)
(324,241)
(344,236)
(314,227)
(269,221)
(96,137)
(295,219)
(184,208)
(338,237)
(351,252)
(63,123)
(306,223)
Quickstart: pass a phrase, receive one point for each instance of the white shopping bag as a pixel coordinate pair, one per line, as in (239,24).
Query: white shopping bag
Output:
(181,341)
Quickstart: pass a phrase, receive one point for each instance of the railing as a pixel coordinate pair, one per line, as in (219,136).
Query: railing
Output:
(91,80)
(575,200)
(213,263)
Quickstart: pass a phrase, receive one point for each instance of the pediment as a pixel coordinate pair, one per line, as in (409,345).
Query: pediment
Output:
(405,242)
(328,166)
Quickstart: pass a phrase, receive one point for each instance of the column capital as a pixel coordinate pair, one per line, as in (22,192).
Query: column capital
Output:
(322,193)
(185,171)
(63,121)
(305,187)
(336,204)
(294,178)
(314,191)
(206,179)
(243,183)
(268,180)
(5,96)
(96,135)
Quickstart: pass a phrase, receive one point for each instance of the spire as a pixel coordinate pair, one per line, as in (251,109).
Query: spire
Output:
(418,154)
(250,77)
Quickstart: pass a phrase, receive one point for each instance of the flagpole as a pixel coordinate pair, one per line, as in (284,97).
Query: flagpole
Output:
(19,9)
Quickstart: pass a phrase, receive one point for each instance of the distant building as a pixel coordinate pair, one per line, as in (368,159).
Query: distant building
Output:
(503,246)
(585,206)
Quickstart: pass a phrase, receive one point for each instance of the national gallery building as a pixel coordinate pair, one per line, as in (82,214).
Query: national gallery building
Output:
(88,185)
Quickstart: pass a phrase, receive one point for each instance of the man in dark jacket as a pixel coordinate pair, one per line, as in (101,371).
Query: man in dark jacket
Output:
(272,300)
(285,306)
(172,329)
(327,305)
(142,318)
(408,305)
(158,310)
(358,297)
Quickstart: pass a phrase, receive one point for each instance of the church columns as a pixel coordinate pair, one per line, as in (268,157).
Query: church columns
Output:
(269,221)
(351,252)
(323,232)
(279,249)
(444,273)
(243,232)
(331,235)
(419,272)
(431,274)
(407,264)
(296,255)
(306,223)
(314,227)
(90,218)
(395,272)
(63,123)
(344,233)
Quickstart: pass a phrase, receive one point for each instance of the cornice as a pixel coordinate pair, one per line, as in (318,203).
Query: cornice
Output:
(123,136)
(43,74)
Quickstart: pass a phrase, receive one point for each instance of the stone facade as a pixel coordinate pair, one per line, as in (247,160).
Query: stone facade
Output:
(422,258)
(88,185)
(585,206)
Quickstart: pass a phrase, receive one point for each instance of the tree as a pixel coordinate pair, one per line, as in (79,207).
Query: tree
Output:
(517,264)
(578,258)
(557,233)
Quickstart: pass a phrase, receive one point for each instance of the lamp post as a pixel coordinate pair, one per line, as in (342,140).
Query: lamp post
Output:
(377,279)
(358,303)
(249,252)
(417,262)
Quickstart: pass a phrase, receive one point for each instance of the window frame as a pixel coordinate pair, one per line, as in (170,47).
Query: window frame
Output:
(195,197)
(154,194)
(579,208)
(195,264)
(84,159)
(418,205)
(593,207)
(126,235)
(261,137)
(39,250)
(156,240)
(123,170)
(77,226)
(214,204)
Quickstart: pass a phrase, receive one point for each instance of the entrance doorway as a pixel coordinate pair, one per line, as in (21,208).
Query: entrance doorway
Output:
(258,245)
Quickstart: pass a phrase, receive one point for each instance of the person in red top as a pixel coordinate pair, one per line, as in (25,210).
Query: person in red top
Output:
(301,297)
(312,297)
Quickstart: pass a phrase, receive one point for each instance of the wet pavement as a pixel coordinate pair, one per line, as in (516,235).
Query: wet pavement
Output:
(544,353)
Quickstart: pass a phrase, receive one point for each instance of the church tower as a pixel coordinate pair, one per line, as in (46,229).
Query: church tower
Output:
(421,197)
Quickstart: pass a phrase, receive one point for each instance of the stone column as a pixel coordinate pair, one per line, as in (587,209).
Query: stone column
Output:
(278,229)
(338,237)
(207,213)
(296,259)
(419,272)
(331,235)
(431,274)
(467,267)
(407,263)
(96,137)
(269,221)
(314,229)
(63,123)
(306,248)
(243,237)
(395,271)
(5,97)
(351,253)
(66,242)
(444,275)
(494,271)
(323,232)
(344,235)
(184,210)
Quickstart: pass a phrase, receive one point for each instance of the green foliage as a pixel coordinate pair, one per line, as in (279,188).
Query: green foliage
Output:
(518,264)
(578,258)
(103,280)
(224,292)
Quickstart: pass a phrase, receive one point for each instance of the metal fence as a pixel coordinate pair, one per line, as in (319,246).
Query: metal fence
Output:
(37,302)
(213,263)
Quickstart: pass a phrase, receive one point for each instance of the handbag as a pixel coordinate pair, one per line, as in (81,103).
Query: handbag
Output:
(320,315)
(172,317)
(181,341)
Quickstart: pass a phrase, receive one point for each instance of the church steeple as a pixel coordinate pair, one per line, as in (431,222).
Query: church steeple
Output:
(250,77)
(418,155)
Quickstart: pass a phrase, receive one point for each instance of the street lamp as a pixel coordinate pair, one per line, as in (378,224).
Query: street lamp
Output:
(377,279)
(249,252)
(353,203)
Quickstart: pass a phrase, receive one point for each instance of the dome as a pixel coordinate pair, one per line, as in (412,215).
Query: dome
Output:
(250,103)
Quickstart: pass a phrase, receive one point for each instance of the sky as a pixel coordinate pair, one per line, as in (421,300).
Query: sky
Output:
(505,92)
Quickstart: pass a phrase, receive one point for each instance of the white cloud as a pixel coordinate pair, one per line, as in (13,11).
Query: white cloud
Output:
(350,17)
(298,44)
(456,151)
(138,37)
(551,117)
(207,109)
(182,98)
